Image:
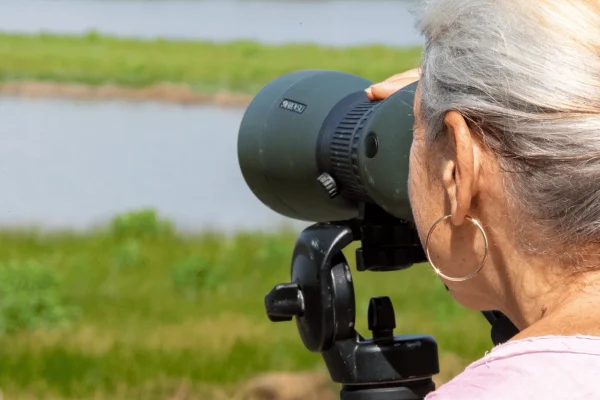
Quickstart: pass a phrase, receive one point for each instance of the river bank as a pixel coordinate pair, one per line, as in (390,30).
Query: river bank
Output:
(93,66)
(159,92)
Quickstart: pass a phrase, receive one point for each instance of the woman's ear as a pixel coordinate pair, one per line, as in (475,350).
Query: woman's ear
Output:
(461,169)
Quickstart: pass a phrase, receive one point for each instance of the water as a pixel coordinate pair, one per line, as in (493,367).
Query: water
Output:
(335,23)
(76,164)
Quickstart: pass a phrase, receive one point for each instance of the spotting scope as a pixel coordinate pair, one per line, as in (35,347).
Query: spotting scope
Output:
(313,147)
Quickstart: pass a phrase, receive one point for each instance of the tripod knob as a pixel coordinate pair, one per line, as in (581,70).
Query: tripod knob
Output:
(382,320)
(284,302)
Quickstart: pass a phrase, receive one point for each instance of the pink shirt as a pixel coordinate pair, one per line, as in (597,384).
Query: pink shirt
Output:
(548,367)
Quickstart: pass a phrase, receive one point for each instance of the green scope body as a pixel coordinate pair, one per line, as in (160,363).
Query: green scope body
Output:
(313,147)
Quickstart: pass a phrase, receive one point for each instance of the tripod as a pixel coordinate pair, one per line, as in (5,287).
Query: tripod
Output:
(321,298)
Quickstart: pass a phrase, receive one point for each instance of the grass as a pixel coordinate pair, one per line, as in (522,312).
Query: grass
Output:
(152,310)
(241,67)
(135,310)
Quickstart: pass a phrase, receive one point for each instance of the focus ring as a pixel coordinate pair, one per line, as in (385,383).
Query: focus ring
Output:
(344,150)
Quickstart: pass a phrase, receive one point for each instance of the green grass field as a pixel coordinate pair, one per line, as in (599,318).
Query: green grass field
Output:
(241,67)
(135,309)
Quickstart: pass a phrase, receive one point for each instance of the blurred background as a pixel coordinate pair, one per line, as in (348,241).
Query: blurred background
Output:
(133,258)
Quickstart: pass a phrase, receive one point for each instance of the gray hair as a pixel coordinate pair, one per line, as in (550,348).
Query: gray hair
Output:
(525,74)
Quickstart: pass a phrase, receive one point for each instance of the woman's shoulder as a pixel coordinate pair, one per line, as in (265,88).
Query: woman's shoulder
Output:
(548,367)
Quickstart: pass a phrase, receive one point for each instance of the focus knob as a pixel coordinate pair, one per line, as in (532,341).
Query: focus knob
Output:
(284,302)
(328,184)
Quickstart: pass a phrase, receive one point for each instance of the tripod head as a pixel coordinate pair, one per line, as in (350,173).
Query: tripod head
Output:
(321,298)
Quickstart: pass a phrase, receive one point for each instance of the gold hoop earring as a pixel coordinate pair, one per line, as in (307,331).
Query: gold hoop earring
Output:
(481,264)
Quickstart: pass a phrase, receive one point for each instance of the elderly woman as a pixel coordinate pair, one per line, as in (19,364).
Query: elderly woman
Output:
(505,184)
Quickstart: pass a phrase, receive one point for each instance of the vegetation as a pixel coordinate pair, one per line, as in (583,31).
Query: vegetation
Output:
(135,310)
(241,67)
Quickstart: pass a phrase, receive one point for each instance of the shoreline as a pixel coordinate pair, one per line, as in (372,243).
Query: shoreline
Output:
(96,67)
(160,92)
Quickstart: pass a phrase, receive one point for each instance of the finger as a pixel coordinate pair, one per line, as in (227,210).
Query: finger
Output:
(402,79)
(413,73)
(384,90)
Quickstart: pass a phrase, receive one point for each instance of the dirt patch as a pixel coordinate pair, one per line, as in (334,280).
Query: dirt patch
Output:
(288,386)
(318,385)
(162,92)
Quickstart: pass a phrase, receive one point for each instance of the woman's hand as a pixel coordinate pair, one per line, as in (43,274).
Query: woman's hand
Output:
(383,90)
